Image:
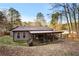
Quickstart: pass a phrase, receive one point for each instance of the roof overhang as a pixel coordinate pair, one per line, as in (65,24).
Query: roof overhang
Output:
(32,32)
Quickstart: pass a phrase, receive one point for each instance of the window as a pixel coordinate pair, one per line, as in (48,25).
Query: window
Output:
(18,35)
(23,34)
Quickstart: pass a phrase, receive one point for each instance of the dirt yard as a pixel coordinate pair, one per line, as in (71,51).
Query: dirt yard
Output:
(65,48)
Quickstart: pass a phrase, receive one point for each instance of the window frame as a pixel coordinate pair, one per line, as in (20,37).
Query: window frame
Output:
(18,35)
(24,34)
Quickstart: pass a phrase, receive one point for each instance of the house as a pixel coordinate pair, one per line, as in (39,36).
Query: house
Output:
(31,34)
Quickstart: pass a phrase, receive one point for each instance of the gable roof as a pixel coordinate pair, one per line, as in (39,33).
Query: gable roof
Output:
(31,28)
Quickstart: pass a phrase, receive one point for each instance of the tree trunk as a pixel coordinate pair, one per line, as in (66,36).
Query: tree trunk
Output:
(74,16)
(78,22)
(69,13)
(67,17)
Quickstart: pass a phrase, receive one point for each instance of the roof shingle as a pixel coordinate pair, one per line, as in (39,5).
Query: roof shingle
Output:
(31,28)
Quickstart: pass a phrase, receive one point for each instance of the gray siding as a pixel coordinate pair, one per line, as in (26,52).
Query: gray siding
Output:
(27,36)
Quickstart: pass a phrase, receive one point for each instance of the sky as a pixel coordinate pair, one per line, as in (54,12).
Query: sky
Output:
(29,11)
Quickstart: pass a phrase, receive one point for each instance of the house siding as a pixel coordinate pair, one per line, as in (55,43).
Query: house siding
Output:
(27,36)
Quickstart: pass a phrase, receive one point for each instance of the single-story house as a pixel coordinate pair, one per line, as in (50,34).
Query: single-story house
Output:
(31,33)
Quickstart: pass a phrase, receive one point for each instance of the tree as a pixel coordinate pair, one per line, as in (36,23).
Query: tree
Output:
(1,17)
(54,20)
(74,6)
(65,12)
(17,22)
(78,16)
(71,13)
(66,15)
(40,19)
(14,17)
(3,22)
(17,19)
(70,17)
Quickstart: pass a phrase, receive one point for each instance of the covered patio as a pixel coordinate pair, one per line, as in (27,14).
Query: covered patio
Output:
(46,36)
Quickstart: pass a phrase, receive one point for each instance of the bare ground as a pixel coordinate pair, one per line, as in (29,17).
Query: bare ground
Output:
(65,48)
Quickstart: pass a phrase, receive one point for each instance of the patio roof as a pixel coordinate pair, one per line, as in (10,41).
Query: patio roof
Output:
(32,32)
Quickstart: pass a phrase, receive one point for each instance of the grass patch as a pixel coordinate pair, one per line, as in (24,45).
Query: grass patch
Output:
(7,40)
